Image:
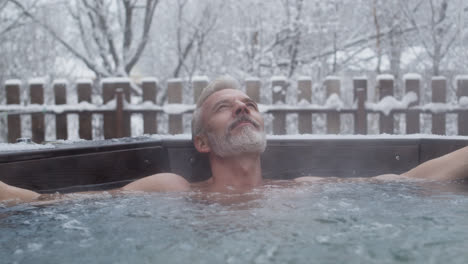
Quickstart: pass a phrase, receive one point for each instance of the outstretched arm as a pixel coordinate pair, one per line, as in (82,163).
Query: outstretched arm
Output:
(13,195)
(162,182)
(451,166)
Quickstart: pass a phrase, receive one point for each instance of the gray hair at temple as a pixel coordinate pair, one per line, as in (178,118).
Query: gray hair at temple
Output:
(221,83)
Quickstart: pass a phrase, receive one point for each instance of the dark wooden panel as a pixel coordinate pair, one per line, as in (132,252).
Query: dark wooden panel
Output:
(95,168)
(87,163)
(433,148)
(339,158)
(286,159)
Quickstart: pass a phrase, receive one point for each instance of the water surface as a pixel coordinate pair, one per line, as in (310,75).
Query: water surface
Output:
(347,222)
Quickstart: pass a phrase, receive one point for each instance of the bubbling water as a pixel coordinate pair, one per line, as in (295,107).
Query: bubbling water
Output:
(329,222)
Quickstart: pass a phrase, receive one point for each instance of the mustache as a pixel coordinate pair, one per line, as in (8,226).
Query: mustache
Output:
(242,119)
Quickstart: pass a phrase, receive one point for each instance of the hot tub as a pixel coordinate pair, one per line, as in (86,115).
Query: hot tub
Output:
(326,222)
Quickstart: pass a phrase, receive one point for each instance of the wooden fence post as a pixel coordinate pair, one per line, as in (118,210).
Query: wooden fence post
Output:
(60,94)
(385,87)
(332,86)
(252,88)
(36,93)
(84,89)
(439,95)
(119,118)
(174,96)
(109,91)
(462,90)
(360,97)
(12,88)
(198,84)
(279,87)
(150,92)
(304,94)
(412,84)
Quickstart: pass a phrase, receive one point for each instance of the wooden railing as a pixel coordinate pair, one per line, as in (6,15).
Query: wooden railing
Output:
(117,110)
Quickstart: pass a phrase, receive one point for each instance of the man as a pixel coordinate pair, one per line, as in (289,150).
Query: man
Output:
(228,127)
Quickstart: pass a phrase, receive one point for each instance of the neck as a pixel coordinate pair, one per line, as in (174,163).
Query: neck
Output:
(241,172)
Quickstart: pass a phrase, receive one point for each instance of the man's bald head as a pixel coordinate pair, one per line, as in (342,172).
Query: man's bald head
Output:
(221,83)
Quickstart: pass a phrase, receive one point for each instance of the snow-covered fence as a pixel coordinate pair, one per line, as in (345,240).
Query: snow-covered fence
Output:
(117,110)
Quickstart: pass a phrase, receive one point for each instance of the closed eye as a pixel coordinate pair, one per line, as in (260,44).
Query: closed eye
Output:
(221,107)
(252,105)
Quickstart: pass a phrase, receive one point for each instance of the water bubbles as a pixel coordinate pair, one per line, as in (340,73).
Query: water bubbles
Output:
(34,247)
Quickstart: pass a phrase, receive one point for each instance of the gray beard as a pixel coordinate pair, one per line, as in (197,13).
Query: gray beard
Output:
(248,140)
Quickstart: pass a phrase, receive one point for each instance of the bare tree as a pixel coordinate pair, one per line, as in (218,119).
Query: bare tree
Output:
(107,29)
(435,29)
(191,35)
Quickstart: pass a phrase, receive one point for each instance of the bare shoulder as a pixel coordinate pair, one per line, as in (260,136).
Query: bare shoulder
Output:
(161,182)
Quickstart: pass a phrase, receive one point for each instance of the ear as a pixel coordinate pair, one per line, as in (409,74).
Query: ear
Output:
(201,144)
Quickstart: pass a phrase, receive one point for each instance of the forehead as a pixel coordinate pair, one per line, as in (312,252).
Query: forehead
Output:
(225,94)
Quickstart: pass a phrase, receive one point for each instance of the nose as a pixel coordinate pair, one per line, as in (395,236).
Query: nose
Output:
(241,108)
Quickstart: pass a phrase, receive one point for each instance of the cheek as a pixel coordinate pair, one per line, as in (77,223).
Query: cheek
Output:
(217,122)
